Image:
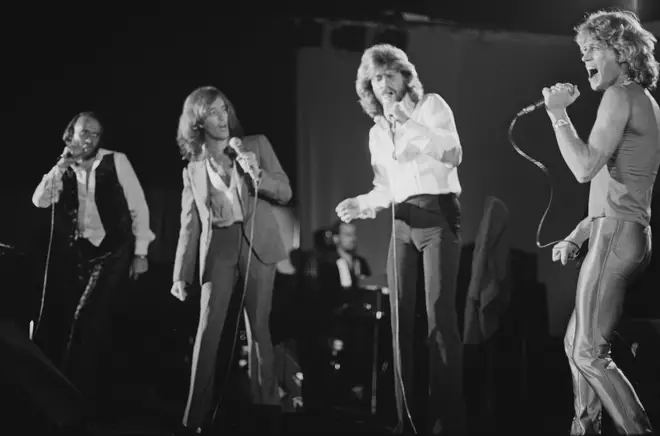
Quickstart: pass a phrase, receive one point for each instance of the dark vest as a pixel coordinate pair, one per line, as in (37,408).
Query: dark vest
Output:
(110,200)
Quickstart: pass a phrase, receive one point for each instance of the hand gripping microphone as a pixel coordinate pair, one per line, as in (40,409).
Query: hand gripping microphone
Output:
(236,145)
(538,104)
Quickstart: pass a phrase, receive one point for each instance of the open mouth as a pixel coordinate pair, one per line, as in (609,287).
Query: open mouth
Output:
(592,72)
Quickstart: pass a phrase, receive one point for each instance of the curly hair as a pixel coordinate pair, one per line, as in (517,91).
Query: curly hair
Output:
(633,45)
(190,134)
(385,56)
(67,136)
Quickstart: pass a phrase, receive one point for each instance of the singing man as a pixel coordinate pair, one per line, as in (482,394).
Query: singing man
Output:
(221,223)
(620,159)
(102,216)
(415,154)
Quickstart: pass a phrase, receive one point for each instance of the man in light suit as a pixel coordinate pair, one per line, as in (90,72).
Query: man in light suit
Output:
(232,225)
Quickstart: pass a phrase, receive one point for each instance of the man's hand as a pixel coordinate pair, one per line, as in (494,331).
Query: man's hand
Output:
(139,266)
(348,210)
(564,251)
(395,112)
(249,160)
(560,96)
(179,290)
(67,158)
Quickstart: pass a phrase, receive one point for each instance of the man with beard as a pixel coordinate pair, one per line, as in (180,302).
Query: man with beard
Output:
(415,151)
(620,159)
(102,219)
(227,219)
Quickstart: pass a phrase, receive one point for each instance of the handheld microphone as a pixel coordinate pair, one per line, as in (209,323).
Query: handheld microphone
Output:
(66,154)
(540,103)
(531,108)
(236,145)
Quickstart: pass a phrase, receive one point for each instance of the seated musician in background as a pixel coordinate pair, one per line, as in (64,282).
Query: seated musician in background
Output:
(351,266)
(329,276)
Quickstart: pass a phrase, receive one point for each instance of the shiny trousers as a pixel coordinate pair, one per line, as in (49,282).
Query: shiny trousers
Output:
(426,230)
(226,264)
(618,251)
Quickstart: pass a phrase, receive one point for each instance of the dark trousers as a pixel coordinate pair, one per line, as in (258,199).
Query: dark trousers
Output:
(101,275)
(226,265)
(426,230)
(618,251)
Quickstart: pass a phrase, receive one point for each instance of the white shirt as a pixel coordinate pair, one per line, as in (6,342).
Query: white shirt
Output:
(344,273)
(225,200)
(347,264)
(90,226)
(420,157)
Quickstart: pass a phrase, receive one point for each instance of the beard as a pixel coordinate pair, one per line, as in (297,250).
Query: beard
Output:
(81,150)
(389,99)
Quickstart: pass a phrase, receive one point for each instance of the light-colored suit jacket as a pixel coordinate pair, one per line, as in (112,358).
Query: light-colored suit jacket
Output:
(195,233)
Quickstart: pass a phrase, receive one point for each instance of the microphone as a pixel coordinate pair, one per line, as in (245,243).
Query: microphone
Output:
(236,145)
(66,154)
(541,103)
(69,154)
(531,108)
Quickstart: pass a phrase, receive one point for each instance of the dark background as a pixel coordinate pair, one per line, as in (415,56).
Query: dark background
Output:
(136,62)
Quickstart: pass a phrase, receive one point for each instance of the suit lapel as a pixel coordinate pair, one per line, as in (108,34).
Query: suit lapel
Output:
(247,201)
(199,179)
(243,192)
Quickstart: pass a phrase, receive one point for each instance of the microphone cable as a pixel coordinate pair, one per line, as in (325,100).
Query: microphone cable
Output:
(237,327)
(545,171)
(395,304)
(44,285)
(42,303)
(395,326)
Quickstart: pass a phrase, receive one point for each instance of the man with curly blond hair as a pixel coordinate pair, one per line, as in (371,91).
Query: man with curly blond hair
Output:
(620,159)
(415,152)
